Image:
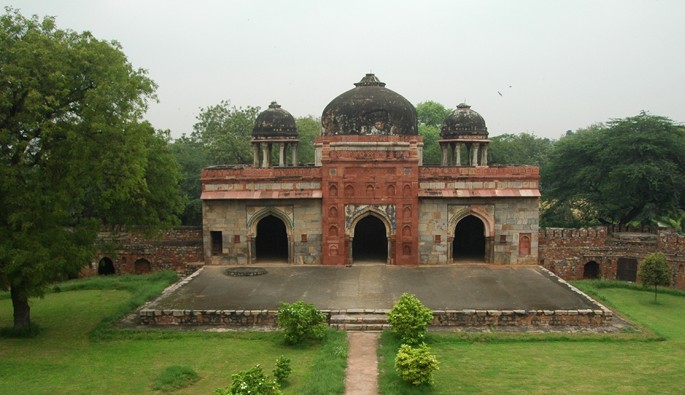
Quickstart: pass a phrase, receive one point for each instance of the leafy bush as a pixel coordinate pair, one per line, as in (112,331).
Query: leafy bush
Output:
(409,319)
(654,271)
(301,321)
(175,377)
(282,370)
(416,364)
(251,382)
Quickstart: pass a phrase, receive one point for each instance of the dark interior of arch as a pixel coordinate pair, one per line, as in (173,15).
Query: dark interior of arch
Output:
(469,240)
(591,270)
(105,266)
(272,240)
(370,242)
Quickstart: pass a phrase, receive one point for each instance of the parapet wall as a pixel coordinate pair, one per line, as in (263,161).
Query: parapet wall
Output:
(567,252)
(129,251)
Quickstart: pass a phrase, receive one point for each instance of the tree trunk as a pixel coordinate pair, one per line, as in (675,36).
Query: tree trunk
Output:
(22,311)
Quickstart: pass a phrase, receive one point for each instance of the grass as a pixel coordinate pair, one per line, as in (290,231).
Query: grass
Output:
(649,361)
(174,378)
(78,352)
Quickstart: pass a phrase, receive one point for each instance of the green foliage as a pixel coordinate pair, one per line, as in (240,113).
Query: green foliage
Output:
(301,321)
(519,149)
(174,378)
(74,152)
(192,158)
(416,364)
(431,113)
(282,370)
(251,382)
(409,319)
(308,128)
(630,169)
(654,271)
(431,146)
(225,132)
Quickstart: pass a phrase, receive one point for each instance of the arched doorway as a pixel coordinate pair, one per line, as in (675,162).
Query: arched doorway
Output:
(272,240)
(469,240)
(370,242)
(142,266)
(105,267)
(591,270)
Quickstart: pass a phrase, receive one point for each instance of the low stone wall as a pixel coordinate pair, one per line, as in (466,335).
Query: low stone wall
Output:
(441,318)
(226,318)
(582,317)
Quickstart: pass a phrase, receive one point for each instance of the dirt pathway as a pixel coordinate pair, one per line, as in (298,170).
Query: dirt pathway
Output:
(362,364)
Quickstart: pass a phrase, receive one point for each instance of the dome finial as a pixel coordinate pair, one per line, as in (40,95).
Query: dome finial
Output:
(370,79)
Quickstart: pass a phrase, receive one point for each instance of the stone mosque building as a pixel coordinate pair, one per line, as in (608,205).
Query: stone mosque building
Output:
(368,197)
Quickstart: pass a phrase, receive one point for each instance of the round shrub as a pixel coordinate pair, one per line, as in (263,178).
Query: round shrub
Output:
(301,321)
(416,364)
(409,319)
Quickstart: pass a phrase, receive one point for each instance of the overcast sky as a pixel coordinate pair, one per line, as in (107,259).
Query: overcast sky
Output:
(526,66)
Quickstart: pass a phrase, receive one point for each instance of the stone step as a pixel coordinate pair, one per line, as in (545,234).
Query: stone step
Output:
(361,321)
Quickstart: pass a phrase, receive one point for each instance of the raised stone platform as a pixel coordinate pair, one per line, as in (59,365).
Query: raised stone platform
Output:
(358,298)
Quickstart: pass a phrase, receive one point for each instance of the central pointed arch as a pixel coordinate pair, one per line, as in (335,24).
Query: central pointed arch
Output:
(370,242)
(270,236)
(471,230)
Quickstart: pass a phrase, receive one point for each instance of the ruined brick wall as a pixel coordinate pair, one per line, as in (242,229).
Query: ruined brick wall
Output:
(133,252)
(566,252)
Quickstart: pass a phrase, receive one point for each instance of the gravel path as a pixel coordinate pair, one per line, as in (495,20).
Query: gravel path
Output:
(362,364)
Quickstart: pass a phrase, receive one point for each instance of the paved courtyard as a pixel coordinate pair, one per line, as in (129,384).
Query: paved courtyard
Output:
(377,286)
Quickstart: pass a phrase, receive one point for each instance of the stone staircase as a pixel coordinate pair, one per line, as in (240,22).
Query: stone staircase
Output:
(365,320)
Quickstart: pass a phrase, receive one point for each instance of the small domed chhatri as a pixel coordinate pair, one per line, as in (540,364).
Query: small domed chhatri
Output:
(274,122)
(464,136)
(369,109)
(463,121)
(274,127)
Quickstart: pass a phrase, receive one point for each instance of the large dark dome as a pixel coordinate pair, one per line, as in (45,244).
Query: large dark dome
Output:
(463,121)
(274,123)
(369,109)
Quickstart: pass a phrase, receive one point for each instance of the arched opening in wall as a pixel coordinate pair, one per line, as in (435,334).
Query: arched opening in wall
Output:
(142,266)
(272,240)
(105,267)
(626,269)
(591,270)
(370,243)
(469,240)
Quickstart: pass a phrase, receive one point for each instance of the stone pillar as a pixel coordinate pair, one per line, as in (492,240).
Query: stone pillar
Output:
(293,153)
(266,155)
(484,155)
(444,157)
(281,154)
(474,158)
(458,151)
(255,154)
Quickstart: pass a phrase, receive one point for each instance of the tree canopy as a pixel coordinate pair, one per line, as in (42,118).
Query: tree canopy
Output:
(519,149)
(430,115)
(654,271)
(74,153)
(629,170)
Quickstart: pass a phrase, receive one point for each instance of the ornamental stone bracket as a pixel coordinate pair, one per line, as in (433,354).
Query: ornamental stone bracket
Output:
(355,212)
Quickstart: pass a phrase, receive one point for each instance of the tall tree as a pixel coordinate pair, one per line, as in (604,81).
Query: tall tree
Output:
(308,129)
(192,157)
(519,149)
(629,170)
(73,153)
(225,132)
(430,115)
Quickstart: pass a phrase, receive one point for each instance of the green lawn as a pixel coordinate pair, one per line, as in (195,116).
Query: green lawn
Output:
(73,354)
(652,361)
